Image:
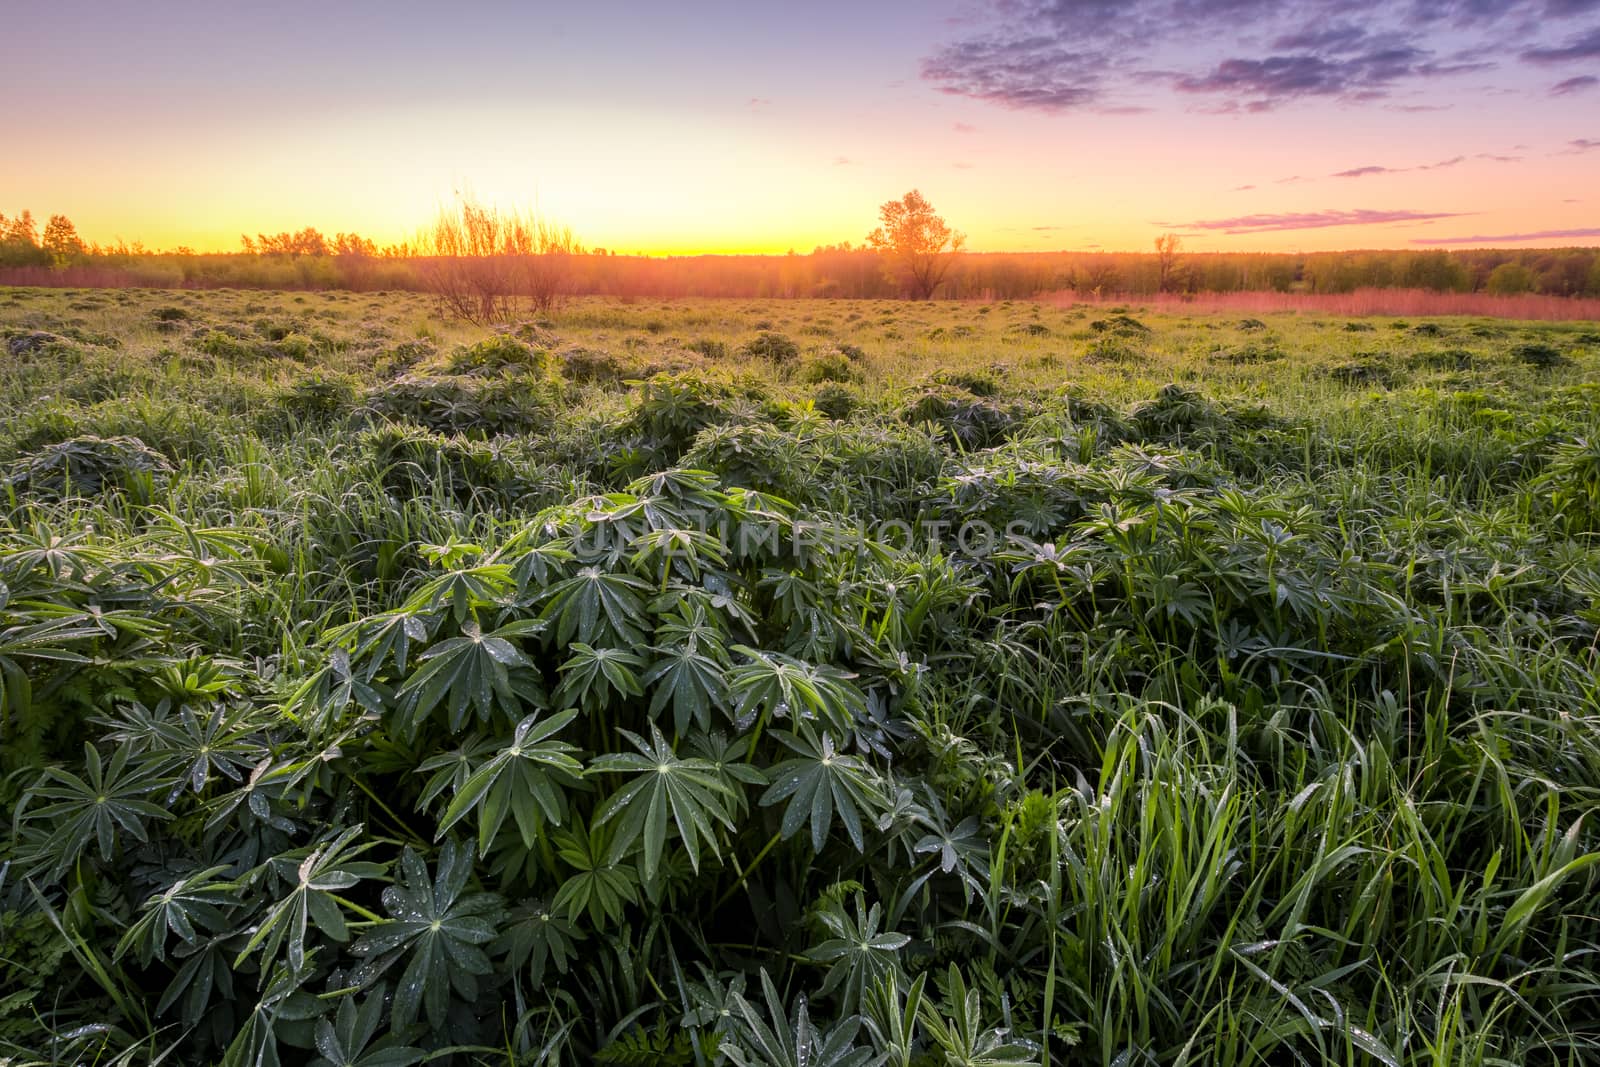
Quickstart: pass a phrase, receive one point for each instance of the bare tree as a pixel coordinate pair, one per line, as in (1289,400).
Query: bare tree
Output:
(354,258)
(916,243)
(1167,246)
(1098,276)
(482,264)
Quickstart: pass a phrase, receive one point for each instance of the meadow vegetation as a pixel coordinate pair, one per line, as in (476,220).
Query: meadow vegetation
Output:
(637,685)
(472,251)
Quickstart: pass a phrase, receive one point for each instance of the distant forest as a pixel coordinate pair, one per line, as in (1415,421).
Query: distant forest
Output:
(308,259)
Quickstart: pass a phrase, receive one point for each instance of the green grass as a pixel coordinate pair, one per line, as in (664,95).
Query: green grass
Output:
(794,682)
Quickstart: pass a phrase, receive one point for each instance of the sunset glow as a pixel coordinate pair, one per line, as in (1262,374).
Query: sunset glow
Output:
(726,127)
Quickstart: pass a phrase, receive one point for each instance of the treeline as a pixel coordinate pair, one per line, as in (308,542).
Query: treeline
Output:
(55,255)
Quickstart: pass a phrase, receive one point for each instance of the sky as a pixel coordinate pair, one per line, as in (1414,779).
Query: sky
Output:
(704,126)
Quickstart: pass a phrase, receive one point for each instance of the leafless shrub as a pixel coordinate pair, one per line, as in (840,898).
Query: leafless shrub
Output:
(486,266)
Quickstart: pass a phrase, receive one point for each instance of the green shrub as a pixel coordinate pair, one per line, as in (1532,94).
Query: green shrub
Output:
(775,348)
(1120,324)
(712,350)
(87,466)
(1175,412)
(828,368)
(1448,359)
(672,409)
(960,416)
(588,366)
(1539,355)
(33,342)
(835,401)
(320,397)
(227,348)
(1247,355)
(461,405)
(415,464)
(1366,371)
(1112,350)
(978,383)
(496,355)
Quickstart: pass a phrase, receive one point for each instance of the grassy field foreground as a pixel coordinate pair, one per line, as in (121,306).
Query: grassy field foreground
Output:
(807,683)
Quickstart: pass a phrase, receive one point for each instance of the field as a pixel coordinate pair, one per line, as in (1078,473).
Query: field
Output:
(794,683)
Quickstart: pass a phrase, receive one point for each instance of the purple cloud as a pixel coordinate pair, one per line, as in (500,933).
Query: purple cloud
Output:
(1034,73)
(1581,83)
(1362,172)
(1331,39)
(1093,55)
(1507,238)
(1586,46)
(1270,81)
(1313,220)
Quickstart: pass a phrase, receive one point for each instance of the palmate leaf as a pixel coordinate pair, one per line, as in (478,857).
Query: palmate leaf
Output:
(726,756)
(524,780)
(189,907)
(960,849)
(690,792)
(439,928)
(709,1003)
(311,900)
(223,739)
(474,670)
(775,685)
(779,1044)
(263,795)
(689,674)
(691,682)
(450,770)
(385,638)
(601,886)
(690,671)
(592,674)
(818,782)
(346,1040)
(206,974)
(464,590)
(962,1037)
(538,937)
(537,563)
(859,954)
(683,551)
(105,803)
(318,704)
(597,606)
